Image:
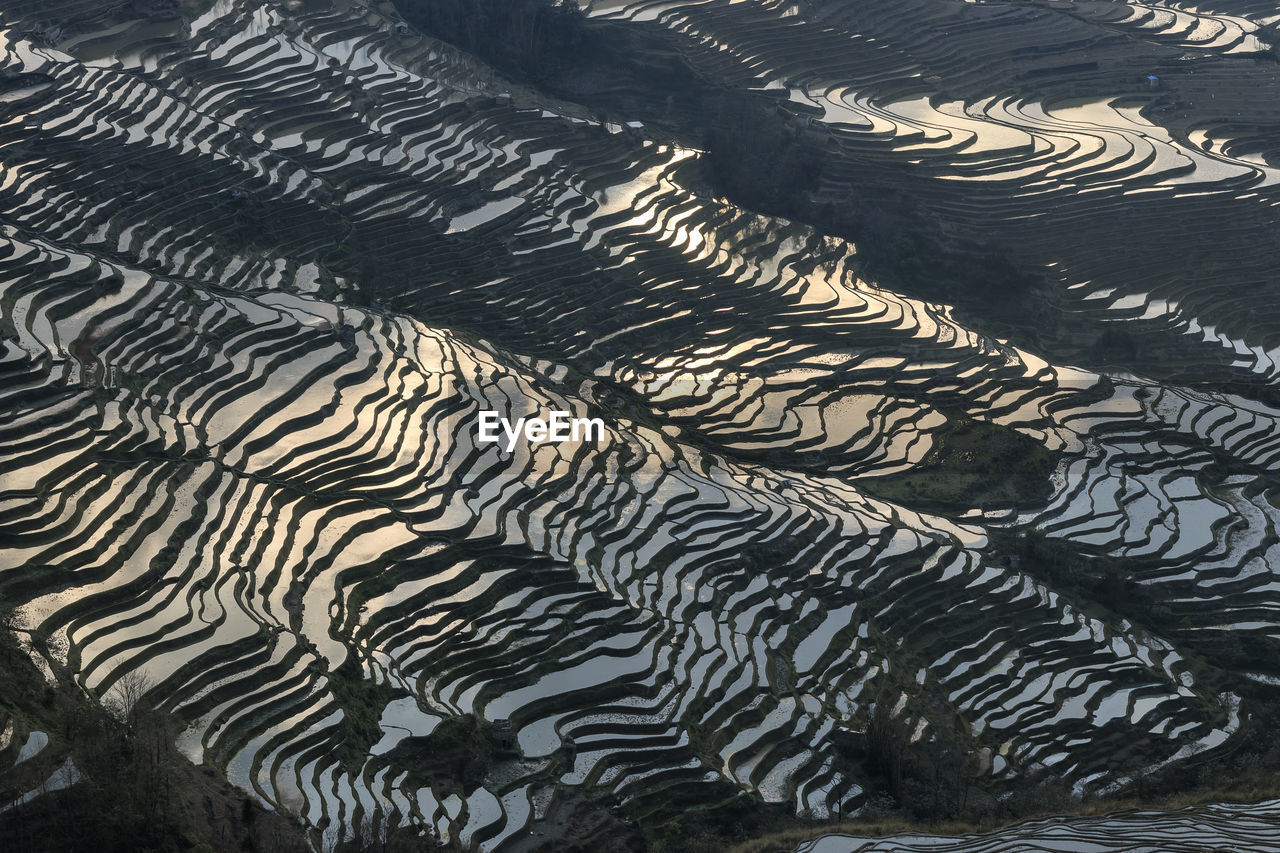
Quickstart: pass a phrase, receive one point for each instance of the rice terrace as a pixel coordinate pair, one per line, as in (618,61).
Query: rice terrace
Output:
(827,426)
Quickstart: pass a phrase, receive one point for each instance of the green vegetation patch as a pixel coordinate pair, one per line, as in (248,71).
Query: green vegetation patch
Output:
(973,465)
(362,702)
(459,751)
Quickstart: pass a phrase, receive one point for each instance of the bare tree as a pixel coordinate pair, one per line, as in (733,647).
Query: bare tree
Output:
(125,699)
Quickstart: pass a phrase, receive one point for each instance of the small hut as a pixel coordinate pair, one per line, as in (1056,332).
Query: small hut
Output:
(504,737)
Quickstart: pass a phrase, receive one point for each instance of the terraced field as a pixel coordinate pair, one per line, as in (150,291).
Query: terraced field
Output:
(1191,830)
(1016,124)
(264,264)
